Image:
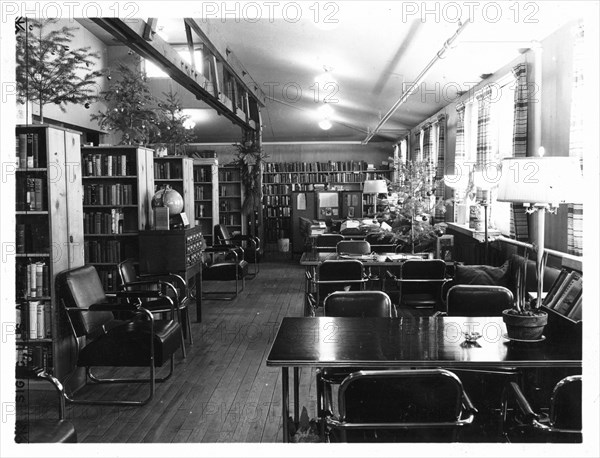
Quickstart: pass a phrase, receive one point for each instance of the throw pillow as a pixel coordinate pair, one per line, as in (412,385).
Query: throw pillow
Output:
(482,275)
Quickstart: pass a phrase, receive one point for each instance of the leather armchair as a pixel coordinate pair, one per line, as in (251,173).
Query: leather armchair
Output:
(250,244)
(225,263)
(141,341)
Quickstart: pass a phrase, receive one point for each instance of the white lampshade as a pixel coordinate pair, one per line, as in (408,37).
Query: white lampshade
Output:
(486,180)
(541,180)
(459,181)
(375,187)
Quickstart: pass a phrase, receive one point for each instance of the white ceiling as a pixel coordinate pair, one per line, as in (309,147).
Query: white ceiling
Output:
(372,50)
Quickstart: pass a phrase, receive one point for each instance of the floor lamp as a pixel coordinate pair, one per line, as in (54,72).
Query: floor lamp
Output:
(485,183)
(540,184)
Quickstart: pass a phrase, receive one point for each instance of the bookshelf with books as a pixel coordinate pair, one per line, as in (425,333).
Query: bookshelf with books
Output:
(231,196)
(49,239)
(118,185)
(178,173)
(206,195)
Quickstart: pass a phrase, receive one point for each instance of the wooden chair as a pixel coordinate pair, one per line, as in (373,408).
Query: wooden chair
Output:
(419,405)
(103,340)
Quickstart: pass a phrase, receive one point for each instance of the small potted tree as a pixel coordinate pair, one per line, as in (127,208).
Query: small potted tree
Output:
(526,321)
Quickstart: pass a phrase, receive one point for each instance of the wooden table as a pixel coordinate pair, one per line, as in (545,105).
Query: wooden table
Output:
(404,343)
(313,259)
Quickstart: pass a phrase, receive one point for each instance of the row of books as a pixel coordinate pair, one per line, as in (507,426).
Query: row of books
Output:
(33,279)
(278,212)
(565,296)
(103,222)
(202,210)
(34,356)
(229,175)
(316,177)
(108,194)
(102,251)
(32,238)
(167,170)
(277,188)
(330,166)
(228,206)
(278,200)
(28,151)
(229,220)
(199,193)
(202,174)
(33,320)
(110,279)
(101,165)
(31,195)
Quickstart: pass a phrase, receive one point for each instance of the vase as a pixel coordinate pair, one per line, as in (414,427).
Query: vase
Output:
(524,327)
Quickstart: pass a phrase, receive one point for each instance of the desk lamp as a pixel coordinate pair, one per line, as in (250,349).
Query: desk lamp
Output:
(540,184)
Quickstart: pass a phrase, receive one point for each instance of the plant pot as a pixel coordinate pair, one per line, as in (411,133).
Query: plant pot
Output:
(524,327)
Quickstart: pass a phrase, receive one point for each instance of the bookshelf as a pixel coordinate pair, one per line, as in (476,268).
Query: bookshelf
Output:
(206,195)
(118,185)
(280,179)
(177,172)
(231,196)
(49,239)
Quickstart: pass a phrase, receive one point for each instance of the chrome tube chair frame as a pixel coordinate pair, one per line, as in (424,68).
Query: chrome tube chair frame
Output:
(141,318)
(252,253)
(565,425)
(126,271)
(464,410)
(240,271)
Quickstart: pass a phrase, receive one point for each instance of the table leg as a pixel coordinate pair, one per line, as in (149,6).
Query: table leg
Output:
(296,396)
(285,402)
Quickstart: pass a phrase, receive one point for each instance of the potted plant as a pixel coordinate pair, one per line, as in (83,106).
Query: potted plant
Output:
(526,321)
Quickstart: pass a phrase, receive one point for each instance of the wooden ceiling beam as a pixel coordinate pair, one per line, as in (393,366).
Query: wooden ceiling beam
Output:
(130,32)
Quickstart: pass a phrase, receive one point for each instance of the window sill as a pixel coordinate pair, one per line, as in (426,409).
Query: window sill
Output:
(464,229)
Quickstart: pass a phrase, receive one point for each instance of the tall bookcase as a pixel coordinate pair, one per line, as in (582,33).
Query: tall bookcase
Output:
(231,196)
(49,239)
(280,179)
(206,195)
(118,185)
(177,172)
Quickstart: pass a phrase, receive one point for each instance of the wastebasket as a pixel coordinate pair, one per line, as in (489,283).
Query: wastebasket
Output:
(283,245)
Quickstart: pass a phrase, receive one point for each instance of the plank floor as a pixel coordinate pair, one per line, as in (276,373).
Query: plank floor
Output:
(223,391)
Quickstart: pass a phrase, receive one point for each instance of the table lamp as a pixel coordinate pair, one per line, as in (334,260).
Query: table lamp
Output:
(540,184)
(459,183)
(375,187)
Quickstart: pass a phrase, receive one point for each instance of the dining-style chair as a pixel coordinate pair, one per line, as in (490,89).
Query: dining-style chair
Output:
(421,282)
(250,244)
(561,422)
(478,300)
(418,405)
(358,304)
(224,263)
(102,340)
(353,247)
(33,429)
(328,242)
(380,243)
(172,286)
(333,275)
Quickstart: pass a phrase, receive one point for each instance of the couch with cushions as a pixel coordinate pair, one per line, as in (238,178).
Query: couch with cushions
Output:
(504,275)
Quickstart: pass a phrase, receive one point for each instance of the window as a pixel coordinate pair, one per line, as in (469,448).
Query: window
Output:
(153,71)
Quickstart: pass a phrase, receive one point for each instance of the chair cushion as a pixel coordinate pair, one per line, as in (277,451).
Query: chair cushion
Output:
(225,271)
(482,275)
(129,345)
(45,431)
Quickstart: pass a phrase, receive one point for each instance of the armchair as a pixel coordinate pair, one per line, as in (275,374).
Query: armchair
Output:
(141,341)
(173,290)
(421,283)
(478,300)
(34,430)
(250,244)
(562,424)
(353,247)
(425,405)
(226,263)
(328,242)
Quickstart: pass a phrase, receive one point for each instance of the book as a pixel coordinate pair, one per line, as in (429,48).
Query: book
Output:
(576,311)
(47,320)
(40,325)
(39,282)
(570,294)
(558,288)
(33,319)
(18,322)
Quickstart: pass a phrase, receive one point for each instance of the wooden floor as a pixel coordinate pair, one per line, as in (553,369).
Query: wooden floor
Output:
(223,391)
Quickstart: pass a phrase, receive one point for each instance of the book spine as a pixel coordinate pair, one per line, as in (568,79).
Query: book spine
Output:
(39,282)
(22,151)
(47,320)
(32,309)
(40,325)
